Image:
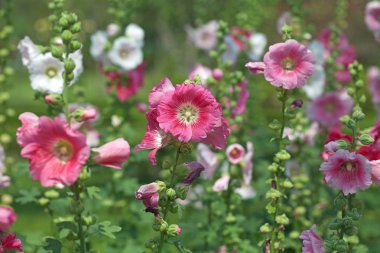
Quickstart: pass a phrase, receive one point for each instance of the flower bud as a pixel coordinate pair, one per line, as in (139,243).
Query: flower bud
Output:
(266,228)
(341,246)
(282,219)
(63,21)
(161,185)
(171,193)
(75,45)
(43,201)
(283,155)
(57,51)
(69,65)
(112,154)
(51,194)
(75,28)
(217,74)
(53,99)
(66,36)
(174,230)
(366,139)
(163,226)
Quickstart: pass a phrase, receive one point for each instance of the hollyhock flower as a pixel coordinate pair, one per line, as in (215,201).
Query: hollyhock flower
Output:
(242,99)
(112,29)
(7,218)
(372,13)
(221,184)
(311,133)
(203,72)
(328,108)
(285,18)
(208,159)
(55,152)
(136,33)
(347,56)
(232,52)
(315,86)
(28,50)
(4,180)
(217,74)
(126,53)
(247,164)
(257,43)
(324,38)
(246,191)
(373,78)
(312,243)
(218,135)
(347,171)
(235,153)
(190,112)
(375,171)
(10,242)
(155,138)
(98,43)
(256,67)
(335,134)
(159,92)
(204,37)
(195,169)
(288,64)
(318,50)
(113,154)
(148,193)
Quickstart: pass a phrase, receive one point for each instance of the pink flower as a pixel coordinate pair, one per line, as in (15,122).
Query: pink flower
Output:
(373,78)
(195,169)
(202,72)
(113,154)
(288,65)
(256,67)
(242,99)
(372,13)
(221,184)
(5,181)
(204,37)
(7,218)
(155,138)
(248,164)
(375,171)
(190,112)
(328,108)
(235,153)
(217,74)
(55,152)
(285,18)
(347,171)
(208,159)
(159,92)
(312,243)
(10,242)
(148,193)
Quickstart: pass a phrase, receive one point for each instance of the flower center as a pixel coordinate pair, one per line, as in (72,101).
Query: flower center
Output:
(349,166)
(288,63)
(205,36)
(63,150)
(235,153)
(124,53)
(187,114)
(51,72)
(329,107)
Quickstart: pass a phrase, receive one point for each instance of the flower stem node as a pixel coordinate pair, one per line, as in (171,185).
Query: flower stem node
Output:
(283,155)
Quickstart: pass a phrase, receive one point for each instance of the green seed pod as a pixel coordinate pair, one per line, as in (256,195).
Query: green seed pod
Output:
(67,36)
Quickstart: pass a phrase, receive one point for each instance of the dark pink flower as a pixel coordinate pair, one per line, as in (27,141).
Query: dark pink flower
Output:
(218,135)
(190,112)
(7,218)
(235,153)
(195,169)
(113,154)
(149,195)
(55,152)
(328,108)
(372,14)
(10,242)
(288,64)
(312,243)
(347,171)
(242,99)
(159,92)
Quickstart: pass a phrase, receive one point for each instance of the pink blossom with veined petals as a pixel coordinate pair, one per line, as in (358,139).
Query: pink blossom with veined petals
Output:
(208,159)
(256,67)
(372,14)
(235,153)
(113,154)
(221,184)
(347,171)
(189,112)
(312,243)
(10,242)
(218,135)
(7,218)
(202,72)
(288,64)
(328,108)
(204,37)
(148,193)
(154,138)
(55,152)
(159,91)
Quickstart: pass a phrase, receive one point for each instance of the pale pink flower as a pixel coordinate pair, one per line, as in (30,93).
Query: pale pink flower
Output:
(190,112)
(113,154)
(328,108)
(373,78)
(246,191)
(242,100)
(288,65)
(202,72)
(155,138)
(235,153)
(5,181)
(149,195)
(204,37)
(10,242)
(312,243)
(256,67)
(372,14)
(55,152)
(347,171)
(112,29)
(208,159)
(7,218)
(221,184)
(248,164)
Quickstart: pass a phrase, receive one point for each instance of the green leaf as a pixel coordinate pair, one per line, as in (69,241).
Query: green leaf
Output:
(105,228)
(28,196)
(52,245)
(93,192)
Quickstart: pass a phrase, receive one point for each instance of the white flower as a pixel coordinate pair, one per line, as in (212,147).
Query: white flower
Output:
(4,180)
(246,191)
(98,42)
(204,37)
(316,83)
(232,51)
(77,57)
(126,53)
(318,51)
(136,33)
(112,29)
(257,43)
(28,50)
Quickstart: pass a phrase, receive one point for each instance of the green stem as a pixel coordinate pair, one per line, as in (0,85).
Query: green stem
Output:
(76,189)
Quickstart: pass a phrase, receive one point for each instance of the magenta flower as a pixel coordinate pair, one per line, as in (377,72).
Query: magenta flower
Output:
(287,65)
(148,193)
(10,242)
(7,218)
(208,159)
(328,108)
(55,152)
(159,91)
(347,171)
(113,154)
(202,72)
(190,112)
(235,153)
(372,14)
(312,243)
